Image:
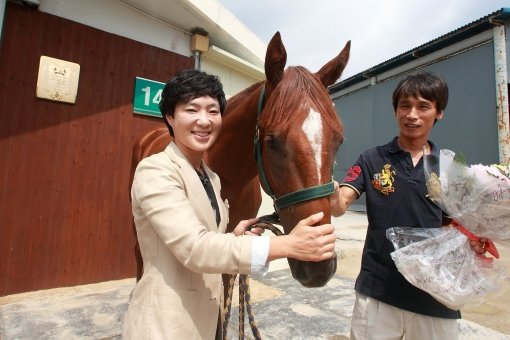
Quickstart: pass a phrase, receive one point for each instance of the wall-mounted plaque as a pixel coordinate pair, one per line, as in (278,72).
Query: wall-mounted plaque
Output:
(57,80)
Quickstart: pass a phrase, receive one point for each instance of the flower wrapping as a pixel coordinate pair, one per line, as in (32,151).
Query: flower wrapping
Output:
(440,261)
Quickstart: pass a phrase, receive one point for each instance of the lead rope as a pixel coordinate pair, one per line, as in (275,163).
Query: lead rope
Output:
(244,288)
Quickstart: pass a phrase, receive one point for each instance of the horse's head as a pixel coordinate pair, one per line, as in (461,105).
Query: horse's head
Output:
(299,134)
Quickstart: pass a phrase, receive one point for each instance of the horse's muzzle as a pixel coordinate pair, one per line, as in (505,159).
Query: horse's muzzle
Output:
(313,274)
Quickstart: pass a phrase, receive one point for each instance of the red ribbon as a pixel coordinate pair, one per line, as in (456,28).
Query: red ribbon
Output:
(488,245)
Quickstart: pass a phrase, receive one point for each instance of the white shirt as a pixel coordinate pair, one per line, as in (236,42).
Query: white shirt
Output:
(259,255)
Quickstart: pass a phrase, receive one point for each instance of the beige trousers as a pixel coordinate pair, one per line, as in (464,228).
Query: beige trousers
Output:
(375,320)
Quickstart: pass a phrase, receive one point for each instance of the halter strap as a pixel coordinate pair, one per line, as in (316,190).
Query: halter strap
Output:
(305,195)
(258,149)
(295,197)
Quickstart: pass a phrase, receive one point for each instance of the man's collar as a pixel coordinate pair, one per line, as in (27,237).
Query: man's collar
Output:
(393,147)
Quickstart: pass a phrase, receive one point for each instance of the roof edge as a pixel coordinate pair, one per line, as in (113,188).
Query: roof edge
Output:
(219,15)
(462,33)
(226,58)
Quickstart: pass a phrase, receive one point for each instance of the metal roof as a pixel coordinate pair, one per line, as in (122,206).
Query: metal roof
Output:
(464,32)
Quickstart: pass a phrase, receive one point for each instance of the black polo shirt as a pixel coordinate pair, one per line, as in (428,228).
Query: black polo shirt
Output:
(396,197)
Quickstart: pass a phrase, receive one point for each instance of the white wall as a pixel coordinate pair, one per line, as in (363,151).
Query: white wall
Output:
(235,74)
(118,18)
(233,81)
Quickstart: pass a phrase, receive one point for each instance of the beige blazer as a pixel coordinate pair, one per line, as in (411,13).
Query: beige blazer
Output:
(183,251)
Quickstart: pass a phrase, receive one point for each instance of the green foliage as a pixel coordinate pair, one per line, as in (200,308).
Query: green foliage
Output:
(460,158)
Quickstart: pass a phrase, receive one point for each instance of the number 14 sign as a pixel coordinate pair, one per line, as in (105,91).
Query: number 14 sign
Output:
(147,97)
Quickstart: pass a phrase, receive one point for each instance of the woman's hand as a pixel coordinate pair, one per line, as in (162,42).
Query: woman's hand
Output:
(240,229)
(257,231)
(312,243)
(305,242)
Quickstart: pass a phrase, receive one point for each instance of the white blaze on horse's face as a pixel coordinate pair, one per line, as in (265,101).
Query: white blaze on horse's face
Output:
(312,127)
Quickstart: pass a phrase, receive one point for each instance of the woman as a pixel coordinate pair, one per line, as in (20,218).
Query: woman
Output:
(180,222)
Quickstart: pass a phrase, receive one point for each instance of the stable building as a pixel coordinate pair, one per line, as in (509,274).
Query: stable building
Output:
(80,83)
(474,61)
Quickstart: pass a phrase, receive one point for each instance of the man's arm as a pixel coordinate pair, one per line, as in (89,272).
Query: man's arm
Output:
(341,199)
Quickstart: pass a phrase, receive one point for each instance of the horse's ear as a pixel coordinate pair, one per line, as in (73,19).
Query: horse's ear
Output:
(276,57)
(330,72)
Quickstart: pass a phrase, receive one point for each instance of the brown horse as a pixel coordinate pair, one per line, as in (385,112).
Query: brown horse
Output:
(296,131)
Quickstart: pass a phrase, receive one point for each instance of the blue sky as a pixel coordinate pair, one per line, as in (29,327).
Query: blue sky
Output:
(313,32)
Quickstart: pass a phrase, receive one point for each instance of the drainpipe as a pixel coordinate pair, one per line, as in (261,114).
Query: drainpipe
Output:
(199,44)
(197,57)
(3,5)
(501,93)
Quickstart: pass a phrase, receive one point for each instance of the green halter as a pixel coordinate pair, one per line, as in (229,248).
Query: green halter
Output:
(293,197)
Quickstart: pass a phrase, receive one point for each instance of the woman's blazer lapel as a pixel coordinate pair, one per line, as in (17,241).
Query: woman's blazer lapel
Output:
(194,188)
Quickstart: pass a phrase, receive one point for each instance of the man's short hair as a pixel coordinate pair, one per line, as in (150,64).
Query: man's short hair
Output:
(422,84)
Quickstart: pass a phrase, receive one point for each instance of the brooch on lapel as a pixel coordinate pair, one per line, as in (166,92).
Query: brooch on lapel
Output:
(383,181)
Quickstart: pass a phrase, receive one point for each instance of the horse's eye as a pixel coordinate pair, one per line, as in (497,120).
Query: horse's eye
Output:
(271,141)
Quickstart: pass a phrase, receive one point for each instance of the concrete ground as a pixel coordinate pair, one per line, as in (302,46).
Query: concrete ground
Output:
(283,309)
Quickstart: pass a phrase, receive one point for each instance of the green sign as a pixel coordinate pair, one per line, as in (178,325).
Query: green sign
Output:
(147,97)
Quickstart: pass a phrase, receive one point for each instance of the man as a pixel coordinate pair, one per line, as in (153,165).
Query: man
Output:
(393,180)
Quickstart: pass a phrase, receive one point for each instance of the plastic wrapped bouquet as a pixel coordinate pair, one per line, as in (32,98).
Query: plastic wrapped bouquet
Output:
(440,261)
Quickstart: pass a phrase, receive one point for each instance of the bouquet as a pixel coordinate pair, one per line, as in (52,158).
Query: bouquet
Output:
(440,261)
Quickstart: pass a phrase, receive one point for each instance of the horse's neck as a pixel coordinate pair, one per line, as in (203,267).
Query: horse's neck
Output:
(232,156)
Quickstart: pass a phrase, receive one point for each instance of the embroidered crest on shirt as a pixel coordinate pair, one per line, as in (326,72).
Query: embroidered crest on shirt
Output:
(383,181)
(352,173)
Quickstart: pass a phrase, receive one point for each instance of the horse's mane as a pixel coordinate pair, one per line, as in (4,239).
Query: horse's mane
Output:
(297,83)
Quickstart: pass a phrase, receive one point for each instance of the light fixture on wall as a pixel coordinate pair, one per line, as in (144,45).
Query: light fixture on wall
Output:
(199,44)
